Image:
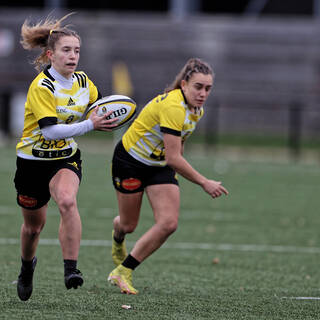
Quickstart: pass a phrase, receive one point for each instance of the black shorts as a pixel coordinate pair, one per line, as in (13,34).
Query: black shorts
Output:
(130,175)
(32,178)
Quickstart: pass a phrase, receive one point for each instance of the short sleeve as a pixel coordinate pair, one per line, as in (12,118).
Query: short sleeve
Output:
(42,102)
(93,92)
(172,119)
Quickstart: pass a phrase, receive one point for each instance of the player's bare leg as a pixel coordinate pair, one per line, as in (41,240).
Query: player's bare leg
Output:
(64,188)
(34,221)
(125,222)
(129,213)
(165,203)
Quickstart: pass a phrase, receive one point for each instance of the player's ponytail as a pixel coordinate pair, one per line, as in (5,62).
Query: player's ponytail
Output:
(44,35)
(193,65)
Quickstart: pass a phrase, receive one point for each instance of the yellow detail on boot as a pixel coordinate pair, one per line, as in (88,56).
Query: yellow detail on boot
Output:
(118,251)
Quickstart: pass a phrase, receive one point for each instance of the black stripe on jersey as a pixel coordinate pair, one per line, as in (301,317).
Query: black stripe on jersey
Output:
(82,80)
(47,73)
(47,121)
(47,83)
(78,78)
(184,97)
(170,131)
(85,80)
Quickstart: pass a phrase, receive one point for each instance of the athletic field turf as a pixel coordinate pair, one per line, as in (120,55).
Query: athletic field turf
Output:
(264,239)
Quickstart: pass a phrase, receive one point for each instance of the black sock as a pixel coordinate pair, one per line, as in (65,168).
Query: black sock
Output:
(130,262)
(27,265)
(69,266)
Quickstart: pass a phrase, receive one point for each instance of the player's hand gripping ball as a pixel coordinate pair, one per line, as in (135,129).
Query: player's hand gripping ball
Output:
(123,108)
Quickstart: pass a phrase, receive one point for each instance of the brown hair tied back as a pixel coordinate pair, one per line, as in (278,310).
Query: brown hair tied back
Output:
(193,65)
(44,35)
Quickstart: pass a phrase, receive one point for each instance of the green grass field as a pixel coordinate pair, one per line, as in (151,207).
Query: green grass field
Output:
(265,235)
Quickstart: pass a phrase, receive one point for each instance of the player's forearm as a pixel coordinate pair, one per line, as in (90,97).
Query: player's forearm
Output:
(182,166)
(61,131)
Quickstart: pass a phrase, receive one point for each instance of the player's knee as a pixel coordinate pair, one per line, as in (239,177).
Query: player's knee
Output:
(66,202)
(169,227)
(128,227)
(172,227)
(33,231)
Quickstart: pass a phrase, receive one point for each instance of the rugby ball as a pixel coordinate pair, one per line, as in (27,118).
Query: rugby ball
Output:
(123,108)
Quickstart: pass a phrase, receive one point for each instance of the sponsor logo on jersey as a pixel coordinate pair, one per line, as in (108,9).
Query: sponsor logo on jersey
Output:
(61,110)
(71,102)
(131,184)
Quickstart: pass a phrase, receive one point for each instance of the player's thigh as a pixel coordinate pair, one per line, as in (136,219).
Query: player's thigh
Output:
(165,202)
(34,219)
(129,205)
(64,185)
(66,177)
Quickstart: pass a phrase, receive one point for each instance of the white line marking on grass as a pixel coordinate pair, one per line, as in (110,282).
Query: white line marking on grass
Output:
(301,298)
(187,246)
(54,211)
(9,241)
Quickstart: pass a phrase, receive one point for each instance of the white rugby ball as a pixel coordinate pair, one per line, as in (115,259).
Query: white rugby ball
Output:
(123,108)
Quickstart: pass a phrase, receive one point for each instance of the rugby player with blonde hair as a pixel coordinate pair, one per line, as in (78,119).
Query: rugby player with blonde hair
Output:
(48,158)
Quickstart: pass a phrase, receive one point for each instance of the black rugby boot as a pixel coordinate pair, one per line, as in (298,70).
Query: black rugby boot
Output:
(73,279)
(24,285)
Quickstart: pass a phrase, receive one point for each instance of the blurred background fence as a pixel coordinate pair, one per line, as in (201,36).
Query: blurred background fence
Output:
(267,69)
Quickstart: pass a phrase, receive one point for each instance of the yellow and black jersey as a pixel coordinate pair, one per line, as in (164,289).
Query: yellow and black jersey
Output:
(167,113)
(48,103)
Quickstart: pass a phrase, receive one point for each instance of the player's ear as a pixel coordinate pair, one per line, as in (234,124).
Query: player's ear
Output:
(183,84)
(49,54)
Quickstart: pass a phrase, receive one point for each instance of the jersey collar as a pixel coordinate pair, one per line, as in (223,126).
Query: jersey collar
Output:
(184,97)
(47,73)
(198,109)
